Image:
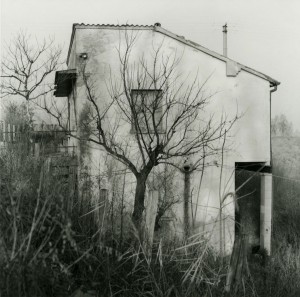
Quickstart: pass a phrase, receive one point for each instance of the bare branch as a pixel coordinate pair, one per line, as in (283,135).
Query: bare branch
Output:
(27,66)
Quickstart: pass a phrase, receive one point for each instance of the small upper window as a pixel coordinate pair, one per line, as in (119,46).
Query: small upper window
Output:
(146,111)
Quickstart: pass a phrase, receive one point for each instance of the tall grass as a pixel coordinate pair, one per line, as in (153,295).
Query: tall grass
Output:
(46,251)
(36,231)
(283,269)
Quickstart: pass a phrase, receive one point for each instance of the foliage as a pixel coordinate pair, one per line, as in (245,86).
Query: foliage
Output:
(280,126)
(16,114)
(286,160)
(285,261)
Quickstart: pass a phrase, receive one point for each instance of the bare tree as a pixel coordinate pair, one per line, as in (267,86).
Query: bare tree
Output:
(166,114)
(27,66)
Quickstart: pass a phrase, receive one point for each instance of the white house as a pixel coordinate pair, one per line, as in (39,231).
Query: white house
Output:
(242,171)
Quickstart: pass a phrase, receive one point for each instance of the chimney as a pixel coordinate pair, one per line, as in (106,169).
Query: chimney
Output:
(225,40)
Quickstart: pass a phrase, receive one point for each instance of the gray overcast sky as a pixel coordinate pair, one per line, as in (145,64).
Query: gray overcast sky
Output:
(263,34)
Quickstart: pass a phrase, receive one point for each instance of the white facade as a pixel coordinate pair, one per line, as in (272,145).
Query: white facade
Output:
(236,89)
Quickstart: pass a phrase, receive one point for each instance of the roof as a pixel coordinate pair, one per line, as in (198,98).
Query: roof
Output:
(157,28)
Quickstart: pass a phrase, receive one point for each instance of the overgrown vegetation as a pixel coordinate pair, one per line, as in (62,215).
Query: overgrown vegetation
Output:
(46,251)
(36,234)
(286,226)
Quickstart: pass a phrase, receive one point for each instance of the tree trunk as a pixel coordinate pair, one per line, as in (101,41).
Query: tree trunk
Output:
(139,202)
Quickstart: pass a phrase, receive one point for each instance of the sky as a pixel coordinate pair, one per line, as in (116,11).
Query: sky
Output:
(262,34)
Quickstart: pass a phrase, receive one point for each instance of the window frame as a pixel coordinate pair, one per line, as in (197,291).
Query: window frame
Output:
(134,93)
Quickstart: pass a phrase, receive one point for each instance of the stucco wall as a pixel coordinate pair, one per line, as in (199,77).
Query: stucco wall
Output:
(245,94)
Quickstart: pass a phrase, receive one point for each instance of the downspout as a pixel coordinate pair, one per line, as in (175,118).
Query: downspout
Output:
(271,91)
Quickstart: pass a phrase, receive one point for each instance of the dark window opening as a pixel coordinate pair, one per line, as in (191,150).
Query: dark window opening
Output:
(146,108)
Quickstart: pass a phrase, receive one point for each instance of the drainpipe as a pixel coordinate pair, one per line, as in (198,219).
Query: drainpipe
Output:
(266,203)
(274,86)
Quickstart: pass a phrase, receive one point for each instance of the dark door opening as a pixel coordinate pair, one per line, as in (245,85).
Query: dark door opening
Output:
(248,193)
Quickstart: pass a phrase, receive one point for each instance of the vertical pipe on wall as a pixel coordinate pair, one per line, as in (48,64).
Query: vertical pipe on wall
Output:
(271,91)
(266,208)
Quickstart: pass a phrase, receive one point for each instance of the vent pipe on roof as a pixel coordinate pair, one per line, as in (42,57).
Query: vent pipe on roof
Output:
(225,40)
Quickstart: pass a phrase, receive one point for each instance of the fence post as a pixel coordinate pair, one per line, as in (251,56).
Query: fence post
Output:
(36,149)
(103,197)
(13,133)
(1,131)
(8,133)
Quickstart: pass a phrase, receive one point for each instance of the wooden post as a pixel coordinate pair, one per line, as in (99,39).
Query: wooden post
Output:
(238,267)
(36,149)
(1,131)
(4,132)
(266,212)
(102,202)
(13,139)
(8,133)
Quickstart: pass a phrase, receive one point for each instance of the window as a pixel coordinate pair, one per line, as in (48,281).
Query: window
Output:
(145,105)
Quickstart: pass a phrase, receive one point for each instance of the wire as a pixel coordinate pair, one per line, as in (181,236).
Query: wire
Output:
(287,178)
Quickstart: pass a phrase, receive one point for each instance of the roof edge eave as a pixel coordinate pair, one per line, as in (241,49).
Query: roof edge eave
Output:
(181,39)
(216,55)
